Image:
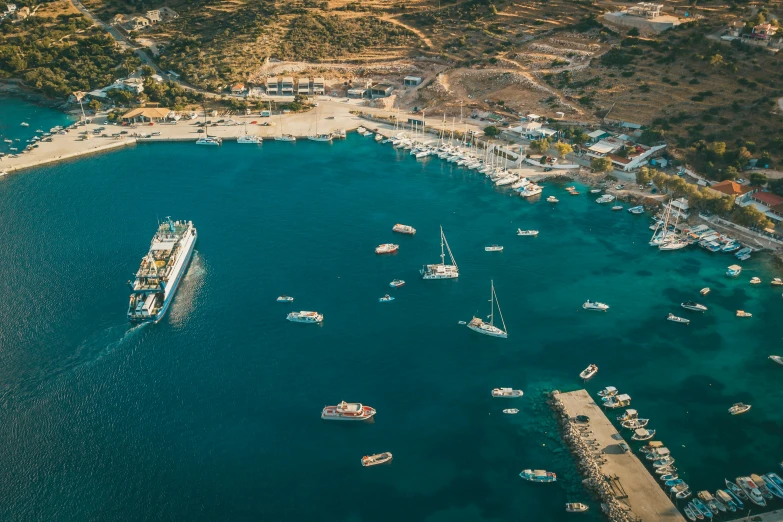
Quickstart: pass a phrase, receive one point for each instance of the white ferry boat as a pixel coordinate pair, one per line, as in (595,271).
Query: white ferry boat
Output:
(348,411)
(404,229)
(507,393)
(209,140)
(538,475)
(442,270)
(374,460)
(161,270)
(305,317)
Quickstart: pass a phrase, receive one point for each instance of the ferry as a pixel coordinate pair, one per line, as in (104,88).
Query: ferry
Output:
(595,305)
(404,229)
(374,460)
(348,411)
(387,248)
(161,271)
(589,372)
(538,475)
(305,317)
(397,283)
(285,299)
(507,393)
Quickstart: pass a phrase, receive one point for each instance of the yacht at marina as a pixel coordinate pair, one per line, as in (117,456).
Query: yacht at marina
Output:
(305,317)
(479,326)
(374,460)
(441,270)
(348,411)
(507,393)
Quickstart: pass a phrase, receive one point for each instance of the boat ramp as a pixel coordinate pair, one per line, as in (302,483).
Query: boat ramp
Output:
(627,490)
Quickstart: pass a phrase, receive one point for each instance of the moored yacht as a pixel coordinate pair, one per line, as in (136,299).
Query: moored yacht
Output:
(538,475)
(506,393)
(378,458)
(305,317)
(692,305)
(442,270)
(348,411)
(595,306)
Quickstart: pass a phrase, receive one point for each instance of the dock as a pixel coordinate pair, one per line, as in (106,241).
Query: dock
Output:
(628,490)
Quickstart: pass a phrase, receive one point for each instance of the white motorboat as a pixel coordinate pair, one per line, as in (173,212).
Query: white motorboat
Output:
(595,306)
(521,232)
(552,199)
(305,317)
(386,248)
(479,326)
(285,299)
(742,313)
(755,281)
(643,434)
(777,358)
(609,391)
(374,460)
(576,507)
(739,408)
(493,248)
(589,372)
(676,319)
(692,305)
(442,270)
(511,411)
(507,393)
(348,411)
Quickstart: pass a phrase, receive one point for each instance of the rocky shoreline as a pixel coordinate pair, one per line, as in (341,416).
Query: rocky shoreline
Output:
(589,458)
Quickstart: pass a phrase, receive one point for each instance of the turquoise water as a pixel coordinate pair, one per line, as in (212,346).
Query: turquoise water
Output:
(213,413)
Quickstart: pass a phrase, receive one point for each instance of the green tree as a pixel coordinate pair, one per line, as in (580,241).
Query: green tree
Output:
(601,165)
(491,131)
(758,179)
(563,149)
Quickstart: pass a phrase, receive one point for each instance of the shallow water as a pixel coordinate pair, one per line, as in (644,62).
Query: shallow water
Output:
(214,412)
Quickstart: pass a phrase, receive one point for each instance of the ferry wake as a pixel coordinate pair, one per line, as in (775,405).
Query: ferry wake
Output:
(161,270)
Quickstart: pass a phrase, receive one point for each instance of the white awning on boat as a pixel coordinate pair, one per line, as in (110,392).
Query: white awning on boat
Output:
(163,245)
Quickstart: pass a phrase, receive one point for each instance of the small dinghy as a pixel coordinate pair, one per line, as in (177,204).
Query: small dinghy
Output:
(676,319)
(739,408)
(285,299)
(511,411)
(385,299)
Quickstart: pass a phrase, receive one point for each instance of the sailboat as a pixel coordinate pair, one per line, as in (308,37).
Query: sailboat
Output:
(441,270)
(319,137)
(477,325)
(284,137)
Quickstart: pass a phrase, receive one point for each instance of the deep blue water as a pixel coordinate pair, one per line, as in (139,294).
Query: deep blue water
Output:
(213,414)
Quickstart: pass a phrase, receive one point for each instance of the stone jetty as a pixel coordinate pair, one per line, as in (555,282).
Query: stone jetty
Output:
(627,491)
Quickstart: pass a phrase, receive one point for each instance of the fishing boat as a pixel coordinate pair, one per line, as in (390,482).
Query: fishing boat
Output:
(609,391)
(348,411)
(636,210)
(305,317)
(285,299)
(479,326)
(589,372)
(441,270)
(374,460)
(397,283)
(595,306)
(634,424)
(774,483)
(726,500)
(710,501)
(733,271)
(619,401)
(404,229)
(385,299)
(751,490)
(538,475)
(552,199)
(776,358)
(643,434)
(743,313)
(511,411)
(689,513)
(521,232)
(692,305)
(386,248)
(507,393)
(776,281)
(576,507)
(739,408)
(737,492)
(493,248)
(763,489)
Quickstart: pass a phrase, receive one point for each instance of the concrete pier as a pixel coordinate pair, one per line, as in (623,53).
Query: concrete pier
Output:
(619,478)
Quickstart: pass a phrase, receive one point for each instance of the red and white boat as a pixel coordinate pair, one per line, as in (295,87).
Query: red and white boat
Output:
(404,229)
(348,411)
(387,248)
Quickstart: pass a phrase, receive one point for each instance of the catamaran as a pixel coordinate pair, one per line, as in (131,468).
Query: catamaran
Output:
(441,270)
(478,325)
